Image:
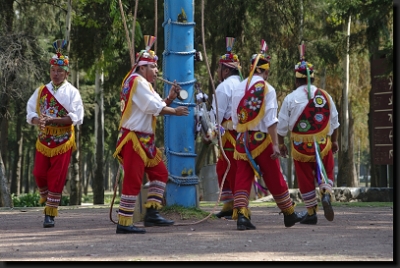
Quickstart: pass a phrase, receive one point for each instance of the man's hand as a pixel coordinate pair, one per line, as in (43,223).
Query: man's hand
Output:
(42,121)
(174,91)
(276,153)
(283,149)
(335,147)
(181,110)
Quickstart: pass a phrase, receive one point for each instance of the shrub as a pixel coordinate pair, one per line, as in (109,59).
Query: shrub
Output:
(26,200)
(32,200)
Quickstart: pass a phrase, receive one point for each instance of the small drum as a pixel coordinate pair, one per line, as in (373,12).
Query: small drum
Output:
(183,95)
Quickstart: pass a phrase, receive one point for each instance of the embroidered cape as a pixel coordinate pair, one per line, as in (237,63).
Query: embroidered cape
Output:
(250,111)
(143,143)
(313,123)
(251,108)
(55,139)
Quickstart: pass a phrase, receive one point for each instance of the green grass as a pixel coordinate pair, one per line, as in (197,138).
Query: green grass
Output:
(185,213)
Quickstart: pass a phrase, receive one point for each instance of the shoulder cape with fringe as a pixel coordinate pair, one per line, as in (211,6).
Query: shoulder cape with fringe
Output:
(54,139)
(251,108)
(143,143)
(313,123)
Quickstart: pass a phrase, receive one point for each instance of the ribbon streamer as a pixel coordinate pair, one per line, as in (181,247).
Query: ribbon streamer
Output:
(320,166)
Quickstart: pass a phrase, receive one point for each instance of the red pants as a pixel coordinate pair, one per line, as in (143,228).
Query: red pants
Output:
(134,170)
(51,172)
(305,172)
(270,169)
(222,166)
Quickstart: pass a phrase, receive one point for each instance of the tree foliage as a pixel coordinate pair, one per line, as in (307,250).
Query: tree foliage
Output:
(98,40)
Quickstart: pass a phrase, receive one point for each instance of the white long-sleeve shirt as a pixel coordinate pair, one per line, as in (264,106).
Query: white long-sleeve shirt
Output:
(271,105)
(67,95)
(223,95)
(146,104)
(294,104)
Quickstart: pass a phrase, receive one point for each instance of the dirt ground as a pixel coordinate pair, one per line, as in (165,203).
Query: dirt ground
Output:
(86,233)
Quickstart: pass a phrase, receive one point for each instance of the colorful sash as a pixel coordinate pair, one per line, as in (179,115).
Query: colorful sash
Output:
(55,139)
(229,135)
(143,144)
(313,123)
(251,107)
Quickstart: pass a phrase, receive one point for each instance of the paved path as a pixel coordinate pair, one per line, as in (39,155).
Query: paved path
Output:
(87,234)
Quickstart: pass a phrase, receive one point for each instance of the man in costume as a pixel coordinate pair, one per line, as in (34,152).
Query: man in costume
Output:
(229,76)
(254,116)
(55,108)
(309,113)
(136,150)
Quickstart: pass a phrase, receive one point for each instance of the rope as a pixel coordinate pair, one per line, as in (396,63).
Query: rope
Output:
(155,25)
(133,30)
(219,132)
(115,191)
(131,53)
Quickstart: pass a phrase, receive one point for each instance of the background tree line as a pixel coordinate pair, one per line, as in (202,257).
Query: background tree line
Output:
(333,31)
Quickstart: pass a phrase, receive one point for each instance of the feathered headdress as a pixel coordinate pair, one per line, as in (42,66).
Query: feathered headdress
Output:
(59,59)
(302,66)
(304,69)
(230,59)
(146,55)
(259,61)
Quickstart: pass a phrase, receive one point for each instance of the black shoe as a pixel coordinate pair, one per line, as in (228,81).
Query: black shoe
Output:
(129,230)
(48,221)
(227,214)
(292,219)
(326,204)
(303,214)
(153,218)
(244,223)
(309,219)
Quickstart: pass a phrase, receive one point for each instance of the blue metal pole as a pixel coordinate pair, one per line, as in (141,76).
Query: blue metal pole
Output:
(179,131)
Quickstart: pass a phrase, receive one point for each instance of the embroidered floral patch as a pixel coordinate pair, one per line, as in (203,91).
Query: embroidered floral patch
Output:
(319,101)
(259,136)
(319,117)
(242,115)
(303,126)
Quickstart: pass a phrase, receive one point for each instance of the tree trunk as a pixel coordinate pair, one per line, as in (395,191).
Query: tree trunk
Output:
(75,185)
(347,175)
(98,180)
(345,95)
(5,194)
(75,182)
(4,140)
(17,163)
(26,164)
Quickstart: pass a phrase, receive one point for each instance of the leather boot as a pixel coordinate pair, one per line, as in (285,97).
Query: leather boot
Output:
(129,230)
(226,214)
(326,204)
(48,221)
(310,219)
(153,218)
(292,219)
(244,223)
